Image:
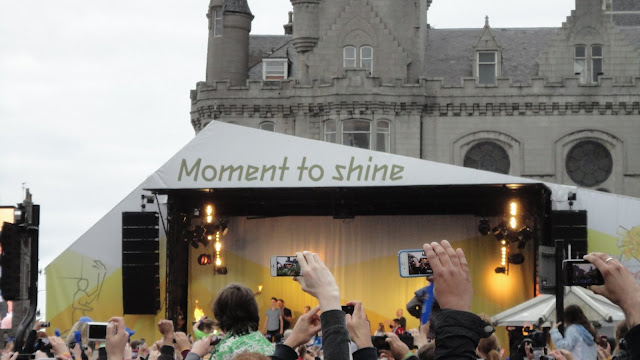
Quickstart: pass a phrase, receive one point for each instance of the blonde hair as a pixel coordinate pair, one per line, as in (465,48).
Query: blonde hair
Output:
(78,326)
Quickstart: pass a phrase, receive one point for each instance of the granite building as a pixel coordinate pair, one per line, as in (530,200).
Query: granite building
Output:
(555,104)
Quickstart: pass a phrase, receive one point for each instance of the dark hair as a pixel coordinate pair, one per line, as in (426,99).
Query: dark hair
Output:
(236,310)
(427,351)
(573,315)
(281,300)
(488,346)
(274,298)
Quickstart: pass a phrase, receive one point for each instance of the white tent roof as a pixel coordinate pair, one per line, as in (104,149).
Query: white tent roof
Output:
(225,155)
(541,310)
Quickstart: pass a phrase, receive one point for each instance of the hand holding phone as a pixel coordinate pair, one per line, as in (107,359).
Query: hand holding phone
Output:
(96,331)
(348,309)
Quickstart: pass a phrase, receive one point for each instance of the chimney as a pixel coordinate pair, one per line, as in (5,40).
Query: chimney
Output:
(288,27)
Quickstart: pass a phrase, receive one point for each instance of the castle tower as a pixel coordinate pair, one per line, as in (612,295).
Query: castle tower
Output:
(306,31)
(228,48)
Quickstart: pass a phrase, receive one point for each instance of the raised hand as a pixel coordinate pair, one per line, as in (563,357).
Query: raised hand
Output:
(117,338)
(306,326)
(318,281)
(358,326)
(451,278)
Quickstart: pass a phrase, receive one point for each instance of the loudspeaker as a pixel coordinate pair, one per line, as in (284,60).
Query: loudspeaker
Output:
(570,226)
(11,262)
(140,263)
(547,269)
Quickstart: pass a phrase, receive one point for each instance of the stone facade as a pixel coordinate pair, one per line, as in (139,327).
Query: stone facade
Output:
(558,105)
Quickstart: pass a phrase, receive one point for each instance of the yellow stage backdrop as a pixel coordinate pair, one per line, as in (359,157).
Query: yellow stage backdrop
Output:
(362,253)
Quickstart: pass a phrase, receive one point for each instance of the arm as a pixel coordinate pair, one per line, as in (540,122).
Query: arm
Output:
(335,336)
(568,341)
(281,324)
(31,340)
(632,340)
(457,329)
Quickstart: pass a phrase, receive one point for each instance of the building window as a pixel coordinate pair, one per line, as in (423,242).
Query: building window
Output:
(356,133)
(330,134)
(596,62)
(593,58)
(349,55)
(217,21)
(489,156)
(268,126)
(275,69)
(580,63)
(589,163)
(487,67)
(383,136)
(351,60)
(366,58)
(359,133)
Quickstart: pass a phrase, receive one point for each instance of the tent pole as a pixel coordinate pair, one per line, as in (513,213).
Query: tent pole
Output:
(559,283)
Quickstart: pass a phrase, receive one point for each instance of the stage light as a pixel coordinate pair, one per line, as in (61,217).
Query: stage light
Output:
(224,227)
(221,270)
(504,255)
(513,223)
(218,261)
(483,227)
(218,246)
(204,259)
(513,208)
(516,259)
(525,234)
(501,270)
(209,213)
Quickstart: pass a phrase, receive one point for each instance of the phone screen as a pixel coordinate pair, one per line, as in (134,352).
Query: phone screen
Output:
(285,266)
(414,263)
(581,273)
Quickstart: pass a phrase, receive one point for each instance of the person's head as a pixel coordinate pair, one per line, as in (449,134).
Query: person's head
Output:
(83,284)
(427,351)
(84,332)
(245,355)
(274,302)
(399,313)
(397,322)
(380,327)
(307,308)
(206,325)
(281,304)
(621,330)
(236,310)
(573,315)
(488,348)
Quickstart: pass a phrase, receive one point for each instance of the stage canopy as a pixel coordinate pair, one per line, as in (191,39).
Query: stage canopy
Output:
(356,207)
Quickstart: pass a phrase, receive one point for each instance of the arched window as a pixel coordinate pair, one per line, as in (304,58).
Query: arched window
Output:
(330,134)
(356,133)
(349,57)
(366,58)
(268,126)
(589,163)
(383,135)
(489,156)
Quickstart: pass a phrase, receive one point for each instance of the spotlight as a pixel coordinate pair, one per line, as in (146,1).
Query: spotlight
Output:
(221,270)
(501,270)
(525,234)
(499,232)
(516,259)
(224,227)
(204,259)
(484,227)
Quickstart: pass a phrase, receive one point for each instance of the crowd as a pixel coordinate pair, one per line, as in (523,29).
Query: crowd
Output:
(454,332)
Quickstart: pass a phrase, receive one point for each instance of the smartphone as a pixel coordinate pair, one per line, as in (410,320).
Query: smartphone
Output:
(578,272)
(96,331)
(215,340)
(285,266)
(45,324)
(348,309)
(414,263)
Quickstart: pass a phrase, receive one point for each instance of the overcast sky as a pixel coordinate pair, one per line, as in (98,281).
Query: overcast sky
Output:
(94,96)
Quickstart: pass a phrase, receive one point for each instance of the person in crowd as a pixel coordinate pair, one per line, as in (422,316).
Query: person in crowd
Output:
(400,316)
(620,351)
(236,311)
(580,336)
(621,288)
(488,348)
(306,309)
(287,318)
(203,327)
(274,324)
(397,327)
(380,331)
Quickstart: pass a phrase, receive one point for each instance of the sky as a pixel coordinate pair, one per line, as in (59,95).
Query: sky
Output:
(94,96)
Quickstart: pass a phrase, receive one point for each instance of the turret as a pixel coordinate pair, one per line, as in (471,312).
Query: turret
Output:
(306,26)
(228,49)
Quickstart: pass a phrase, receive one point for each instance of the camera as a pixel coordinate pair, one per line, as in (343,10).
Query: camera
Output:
(285,266)
(45,324)
(96,331)
(547,357)
(215,340)
(579,272)
(348,309)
